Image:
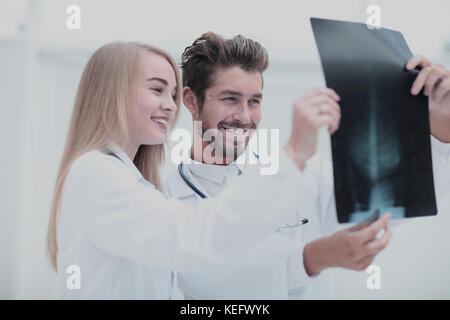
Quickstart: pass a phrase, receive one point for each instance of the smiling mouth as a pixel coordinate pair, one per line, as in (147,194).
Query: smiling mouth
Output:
(162,122)
(234,130)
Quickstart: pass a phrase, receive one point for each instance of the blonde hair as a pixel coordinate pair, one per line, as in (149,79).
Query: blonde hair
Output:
(101,113)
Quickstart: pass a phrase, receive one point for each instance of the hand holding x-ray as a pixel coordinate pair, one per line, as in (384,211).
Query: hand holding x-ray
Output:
(353,248)
(312,111)
(434,79)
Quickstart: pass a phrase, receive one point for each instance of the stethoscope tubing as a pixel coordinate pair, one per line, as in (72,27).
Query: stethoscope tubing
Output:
(189,183)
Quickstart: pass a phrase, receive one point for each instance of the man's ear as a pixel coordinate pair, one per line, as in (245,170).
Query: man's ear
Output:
(190,101)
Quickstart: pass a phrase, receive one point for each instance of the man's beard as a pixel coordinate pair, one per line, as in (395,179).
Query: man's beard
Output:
(229,151)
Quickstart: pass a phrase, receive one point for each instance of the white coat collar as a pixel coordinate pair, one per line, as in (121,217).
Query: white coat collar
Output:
(119,152)
(179,189)
(212,172)
(217,173)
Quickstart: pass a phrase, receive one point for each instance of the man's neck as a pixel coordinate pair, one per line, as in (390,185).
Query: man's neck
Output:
(208,157)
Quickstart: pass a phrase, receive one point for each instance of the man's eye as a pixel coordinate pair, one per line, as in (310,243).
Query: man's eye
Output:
(229,99)
(255,101)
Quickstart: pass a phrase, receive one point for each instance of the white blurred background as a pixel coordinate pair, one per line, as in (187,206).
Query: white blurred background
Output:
(40,65)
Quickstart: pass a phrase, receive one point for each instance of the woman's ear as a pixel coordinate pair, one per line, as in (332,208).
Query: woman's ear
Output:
(190,101)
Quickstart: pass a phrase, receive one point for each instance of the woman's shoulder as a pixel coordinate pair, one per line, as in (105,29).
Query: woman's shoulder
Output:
(95,165)
(92,160)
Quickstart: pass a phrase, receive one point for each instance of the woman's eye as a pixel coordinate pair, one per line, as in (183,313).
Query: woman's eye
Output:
(159,90)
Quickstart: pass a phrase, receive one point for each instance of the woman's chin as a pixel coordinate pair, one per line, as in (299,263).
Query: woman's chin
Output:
(155,140)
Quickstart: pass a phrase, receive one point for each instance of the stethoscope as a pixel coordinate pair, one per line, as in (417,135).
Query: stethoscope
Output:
(191,185)
(203,196)
(115,156)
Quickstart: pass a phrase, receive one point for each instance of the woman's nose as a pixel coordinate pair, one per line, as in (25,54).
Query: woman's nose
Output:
(170,105)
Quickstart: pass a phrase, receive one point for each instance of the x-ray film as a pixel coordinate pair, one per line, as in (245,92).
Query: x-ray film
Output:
(382,151)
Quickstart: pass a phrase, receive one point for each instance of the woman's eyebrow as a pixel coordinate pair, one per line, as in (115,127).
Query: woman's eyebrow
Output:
(158,79)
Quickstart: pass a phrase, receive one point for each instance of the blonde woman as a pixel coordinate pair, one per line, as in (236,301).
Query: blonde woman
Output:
(109,218)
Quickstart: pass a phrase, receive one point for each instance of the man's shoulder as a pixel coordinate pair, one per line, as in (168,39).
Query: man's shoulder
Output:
(317,165)
(319,171)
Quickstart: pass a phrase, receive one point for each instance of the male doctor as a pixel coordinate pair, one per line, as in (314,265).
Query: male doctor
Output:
(222,82)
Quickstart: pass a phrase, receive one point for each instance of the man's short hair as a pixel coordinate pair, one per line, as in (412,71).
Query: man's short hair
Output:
(210,52)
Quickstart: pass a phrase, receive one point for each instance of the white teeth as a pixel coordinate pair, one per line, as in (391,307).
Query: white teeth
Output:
(236,131)
(163,121)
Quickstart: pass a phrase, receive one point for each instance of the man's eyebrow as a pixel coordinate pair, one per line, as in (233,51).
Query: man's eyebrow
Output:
(231,92)
(239,94)
(158,79)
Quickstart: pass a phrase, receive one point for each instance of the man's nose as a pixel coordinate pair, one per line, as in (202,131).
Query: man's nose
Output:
(242,114)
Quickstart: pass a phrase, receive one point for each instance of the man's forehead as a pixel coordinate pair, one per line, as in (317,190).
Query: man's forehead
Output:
(235,79)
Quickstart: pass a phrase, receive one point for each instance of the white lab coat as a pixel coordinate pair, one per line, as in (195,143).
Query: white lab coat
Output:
(125,237)
(274,268)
